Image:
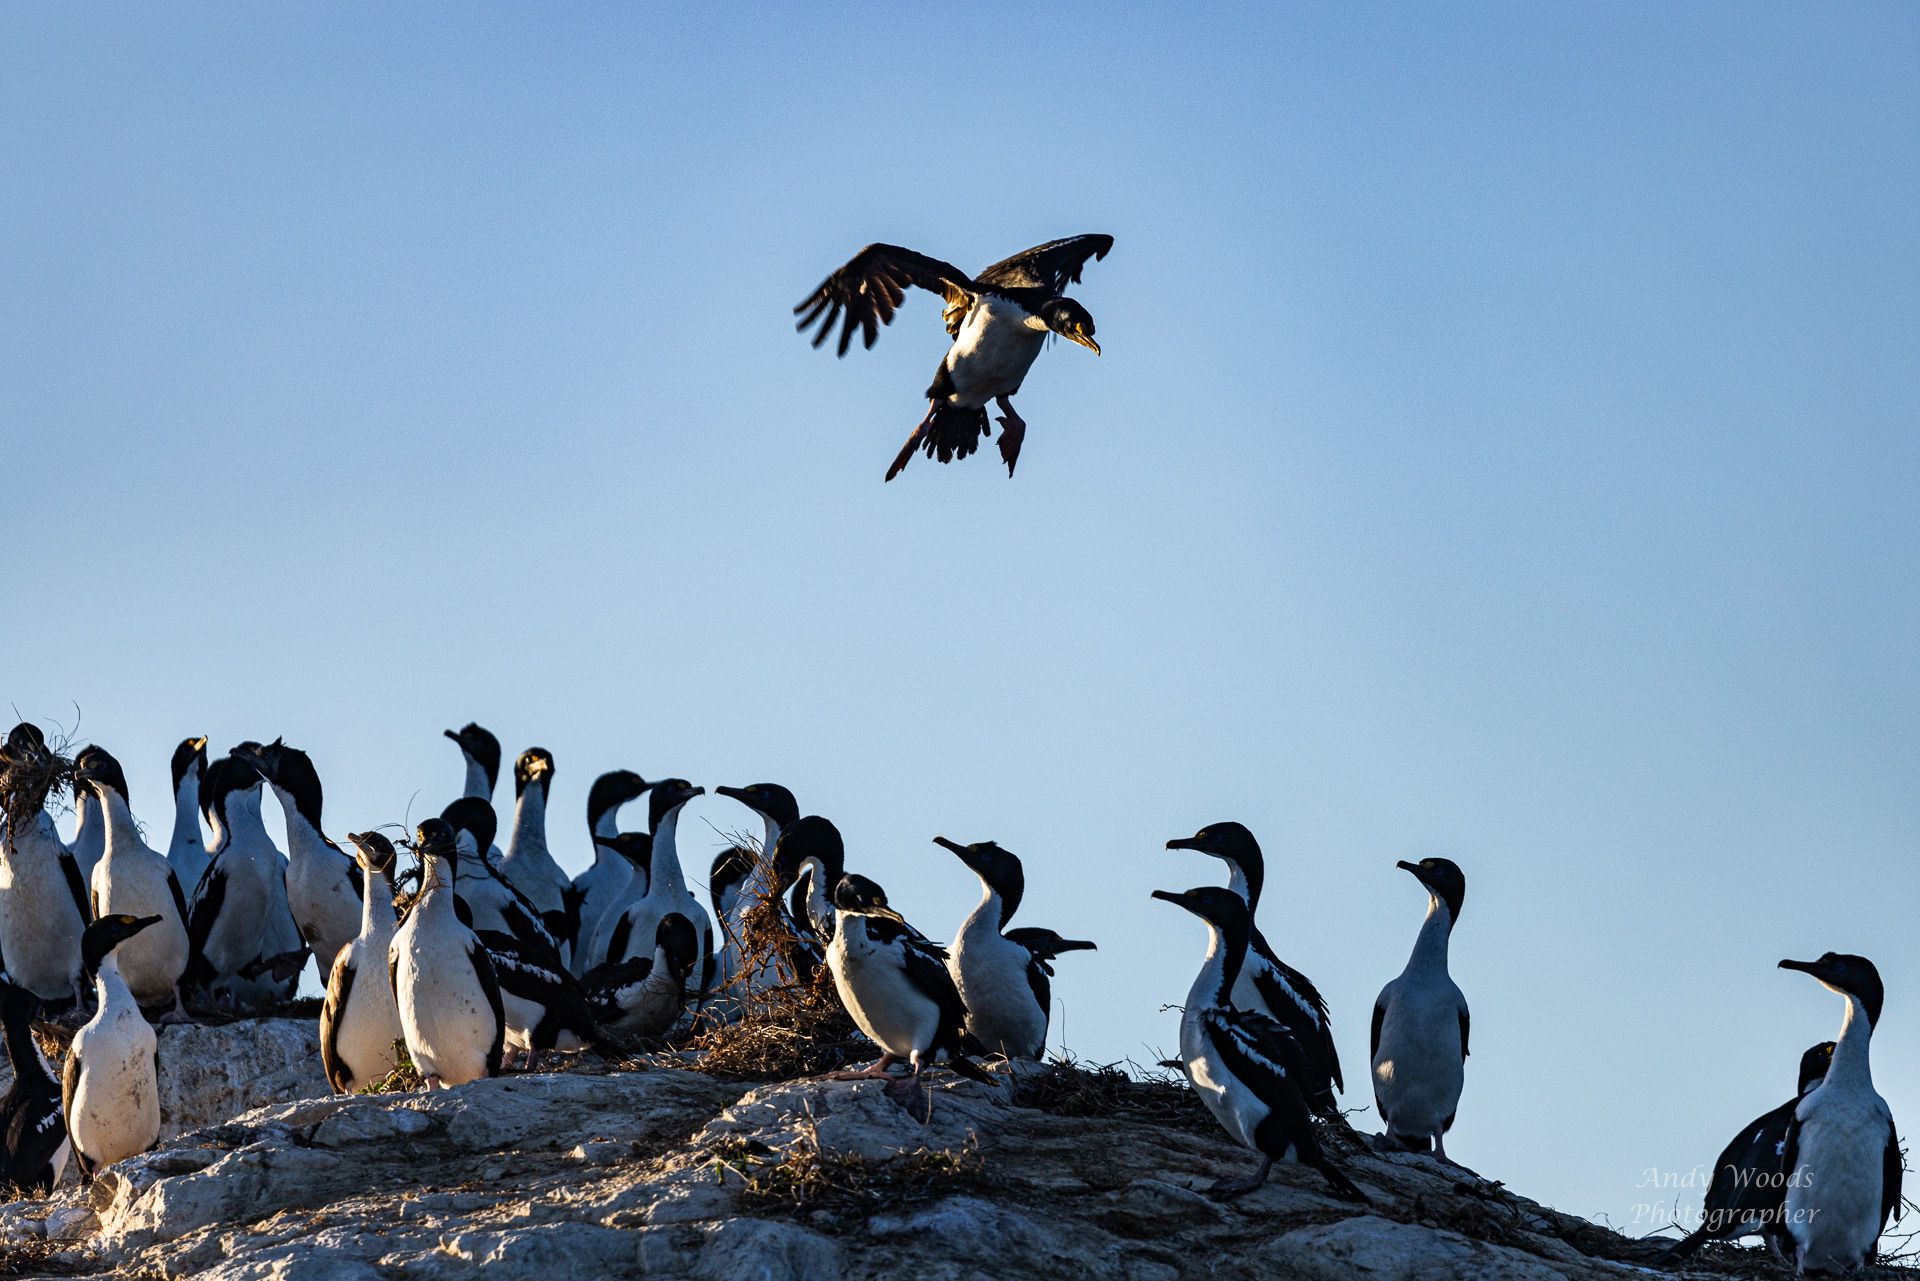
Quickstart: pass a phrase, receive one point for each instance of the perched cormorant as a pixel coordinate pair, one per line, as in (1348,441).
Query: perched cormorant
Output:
(1748,1185)
(1245,1066)
(895,985)
(442,978)
(1267,985)
(360,1019)
(1004,983)
(1420,1026)
(110,1084)
(997,321)
(32,1129)
(1842,1137)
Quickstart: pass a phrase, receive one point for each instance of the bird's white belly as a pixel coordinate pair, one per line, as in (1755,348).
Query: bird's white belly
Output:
(650,1006)
(991,973)
(1418,1072)
(874,987)
(153,960)
(116,1103)
(448,1023)
(1833,1207)
(995,348)
(609,889)
(323,903)
(1237,1108)
(39,923)
(370,1024)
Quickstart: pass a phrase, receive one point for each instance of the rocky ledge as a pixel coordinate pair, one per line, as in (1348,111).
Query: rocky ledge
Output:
(668,1173)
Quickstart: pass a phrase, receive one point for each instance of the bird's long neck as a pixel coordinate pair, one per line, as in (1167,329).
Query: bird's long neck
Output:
(819,906)
(122,832)
(376,906)
(243,818)
(529,823)
(666,877)
(479,787)
(1246,887)
(111,989)
(1851,1068)
(1213,985)
(186,810)
(436,892)
(25,1055)
(87,822)
(304,838)
(1430,948)
(988,912)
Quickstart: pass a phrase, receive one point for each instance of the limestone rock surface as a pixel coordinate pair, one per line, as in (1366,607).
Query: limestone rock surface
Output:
(666,1173)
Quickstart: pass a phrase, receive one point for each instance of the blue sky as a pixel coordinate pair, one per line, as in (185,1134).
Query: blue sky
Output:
(1503,448)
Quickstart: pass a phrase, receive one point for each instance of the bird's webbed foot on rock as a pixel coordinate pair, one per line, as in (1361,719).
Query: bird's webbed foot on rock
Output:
(875,1071)
(1235,1187)
(916,1098)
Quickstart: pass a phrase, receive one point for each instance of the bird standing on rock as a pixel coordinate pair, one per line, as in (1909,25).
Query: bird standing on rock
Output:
(1267,985)
(1420,1026)
(110,1085)
(33,1134)
(187,851)
(443,981)
(360,1019)
(895,985)
(1748,1191)
(1842,1139)
(1003,983)
(134,879)
(1246,1067)
(43,902)
(998,321)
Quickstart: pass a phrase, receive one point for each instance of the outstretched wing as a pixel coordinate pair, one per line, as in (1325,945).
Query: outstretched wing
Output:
(1052,266)
(872,285)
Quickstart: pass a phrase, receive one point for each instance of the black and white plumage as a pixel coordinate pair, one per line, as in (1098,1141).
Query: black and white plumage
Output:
(481,751)
(133,879)
(645,996)
(90,830)
(777,810)
(608,885)
(1842,1150)
(43,904)
(1006,987)
(187,850)
(1420,1025)
(545,1006)
(810,857)
(629,933)
(442,978)
(896,986)
(527,862)
(360,1018)
(1749,1186)
(998,321)
(1245,1066)
(323,883)
(237,918)
(110,1083)
(493,902)
(731,867)
(33,1131)
(1267,985)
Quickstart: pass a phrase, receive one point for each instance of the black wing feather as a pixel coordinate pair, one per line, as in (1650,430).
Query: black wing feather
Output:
(339,988)
(179,899)
(1379,1017)
(1298,1005)
(1270,1062)
(1890,1172)
(69,1086)
(490,985)
(1052,266)
(70,868)
(207,901)
(868,289)
(925,969)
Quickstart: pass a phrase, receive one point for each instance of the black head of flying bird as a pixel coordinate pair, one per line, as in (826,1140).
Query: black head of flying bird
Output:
(998,321)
